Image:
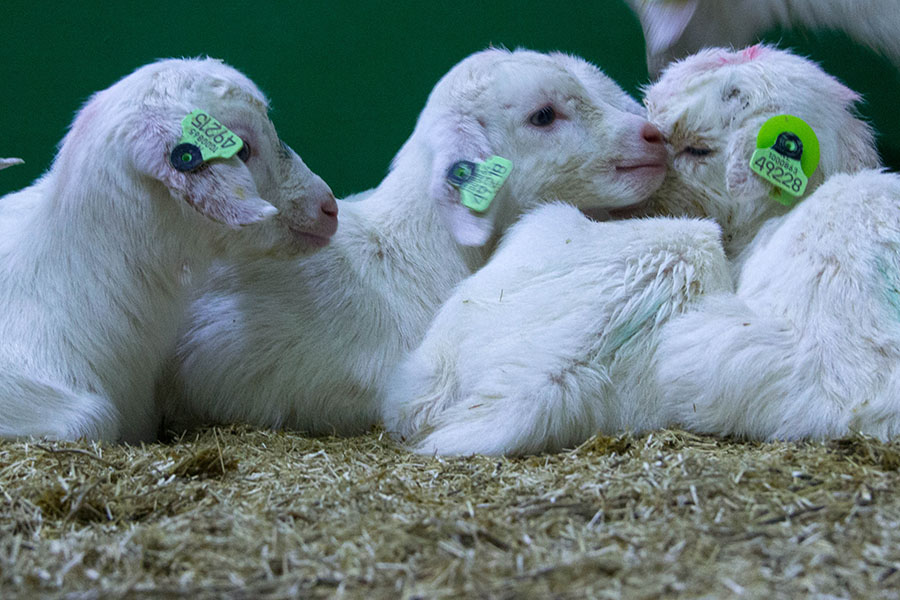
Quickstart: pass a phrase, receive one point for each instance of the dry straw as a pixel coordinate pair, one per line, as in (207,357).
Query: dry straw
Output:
(242,513)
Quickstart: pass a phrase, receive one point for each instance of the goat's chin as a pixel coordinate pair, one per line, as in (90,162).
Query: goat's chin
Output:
(627,194)
(642,179)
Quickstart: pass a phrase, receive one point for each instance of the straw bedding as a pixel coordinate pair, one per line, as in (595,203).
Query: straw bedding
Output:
(242,513)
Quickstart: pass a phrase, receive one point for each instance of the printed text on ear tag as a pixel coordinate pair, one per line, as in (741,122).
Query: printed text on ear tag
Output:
(203,138)
(787,153)
(478,183)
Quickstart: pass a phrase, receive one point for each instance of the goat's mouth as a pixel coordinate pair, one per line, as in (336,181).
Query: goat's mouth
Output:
(641,167)
(309,239)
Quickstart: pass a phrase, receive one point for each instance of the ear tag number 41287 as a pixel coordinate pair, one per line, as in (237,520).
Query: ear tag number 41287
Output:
(478,183)
(203,138)
(787,153)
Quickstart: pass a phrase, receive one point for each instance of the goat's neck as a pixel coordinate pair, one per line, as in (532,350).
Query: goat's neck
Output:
(137,236)
(110,267)
(399,245)
(401,210)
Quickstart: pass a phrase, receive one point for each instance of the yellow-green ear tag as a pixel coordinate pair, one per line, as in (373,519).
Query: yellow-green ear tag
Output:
(787,153)
(478,183)
(203,138)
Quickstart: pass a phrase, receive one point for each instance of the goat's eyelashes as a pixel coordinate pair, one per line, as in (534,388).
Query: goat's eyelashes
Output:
(244,152)
(543,117)
(696,151)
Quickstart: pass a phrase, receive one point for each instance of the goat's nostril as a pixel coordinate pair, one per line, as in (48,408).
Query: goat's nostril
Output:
(651,134)
(330,208)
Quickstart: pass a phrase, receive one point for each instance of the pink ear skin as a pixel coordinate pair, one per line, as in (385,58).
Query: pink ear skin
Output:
(740,181)
(458,137)
(222,190)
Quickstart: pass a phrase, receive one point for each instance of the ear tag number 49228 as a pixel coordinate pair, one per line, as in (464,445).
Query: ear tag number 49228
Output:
(478,183)
(203,138)
(787,153)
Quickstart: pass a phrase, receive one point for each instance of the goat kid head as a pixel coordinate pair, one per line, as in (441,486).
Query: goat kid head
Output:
(142,115)
(710,108)
(570,132)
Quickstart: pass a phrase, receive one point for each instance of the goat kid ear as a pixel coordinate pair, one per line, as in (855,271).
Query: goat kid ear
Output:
(222,189)
(456,138)
(740,181)
(663,22)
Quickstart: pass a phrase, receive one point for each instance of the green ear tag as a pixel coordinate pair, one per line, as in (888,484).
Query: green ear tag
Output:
(787,153)
(203,138)
(478,183)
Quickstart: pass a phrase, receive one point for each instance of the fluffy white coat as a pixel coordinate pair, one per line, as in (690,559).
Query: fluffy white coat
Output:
(809,346)
(553,340)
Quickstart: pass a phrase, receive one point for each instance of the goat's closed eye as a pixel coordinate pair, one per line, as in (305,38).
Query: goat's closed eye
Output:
(696,151)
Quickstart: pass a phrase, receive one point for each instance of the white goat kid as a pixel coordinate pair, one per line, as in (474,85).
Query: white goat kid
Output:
(807,346)
(553,339)
(307,343)
(674,29)
(95,257)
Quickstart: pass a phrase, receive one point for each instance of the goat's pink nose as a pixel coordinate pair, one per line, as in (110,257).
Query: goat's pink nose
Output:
(651,134)
(330,207)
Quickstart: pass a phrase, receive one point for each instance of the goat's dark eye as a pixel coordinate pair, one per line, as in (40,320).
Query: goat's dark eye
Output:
(244,152)
(698,152)
(543,117)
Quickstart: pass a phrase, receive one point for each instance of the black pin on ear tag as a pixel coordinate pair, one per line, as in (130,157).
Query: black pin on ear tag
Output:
(186,157)
(478,183)
(788,145)
(461,171)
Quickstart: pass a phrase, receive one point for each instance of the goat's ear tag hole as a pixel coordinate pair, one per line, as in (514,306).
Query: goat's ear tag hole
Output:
(478,183)
(203,136)
(787,153)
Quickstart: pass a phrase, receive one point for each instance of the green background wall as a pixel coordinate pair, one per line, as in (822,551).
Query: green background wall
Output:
(346,79)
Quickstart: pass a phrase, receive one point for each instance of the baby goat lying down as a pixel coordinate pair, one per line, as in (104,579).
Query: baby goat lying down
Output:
(96,256)
(306,343)
(553,339)
(809,345)
(536,354)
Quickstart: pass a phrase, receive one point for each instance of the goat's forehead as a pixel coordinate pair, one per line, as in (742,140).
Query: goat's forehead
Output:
(192,80)
(499,73)
(718,89)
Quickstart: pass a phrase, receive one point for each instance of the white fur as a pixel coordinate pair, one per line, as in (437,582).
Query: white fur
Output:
(307,343)
(553,339)
(676,28)
(810,344)
(97,255)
